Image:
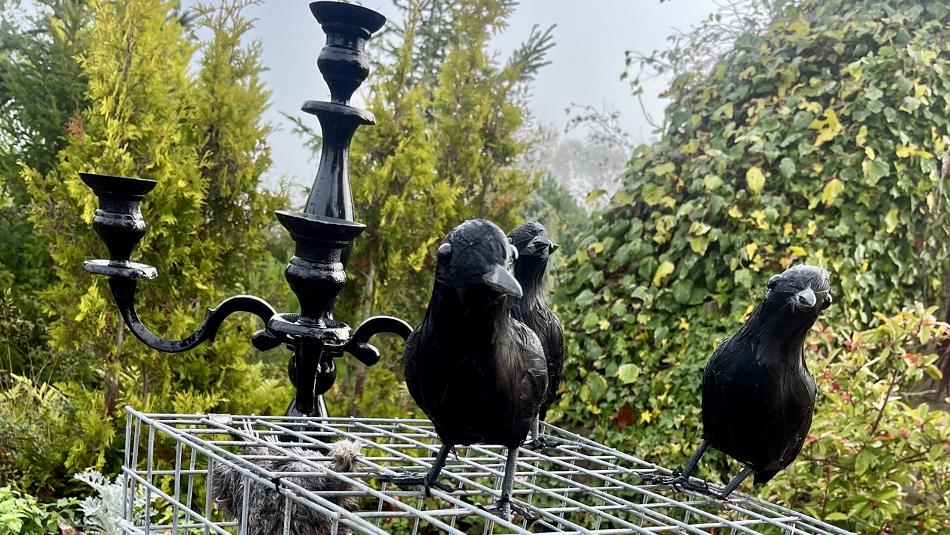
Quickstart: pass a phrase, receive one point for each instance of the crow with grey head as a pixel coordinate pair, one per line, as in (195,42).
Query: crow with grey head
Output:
(534,249)
(476,372)
(758,395)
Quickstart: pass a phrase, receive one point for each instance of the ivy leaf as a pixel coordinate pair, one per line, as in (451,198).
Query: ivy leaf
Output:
(862,135)
(831,191)
(594,195)
(787,167)
(682,290)
(711,182)
(628,373)
(662,271)
(598,385)
(754,179)
(875,170)
(828,127)
(663,169)
(891,220)
(699,244)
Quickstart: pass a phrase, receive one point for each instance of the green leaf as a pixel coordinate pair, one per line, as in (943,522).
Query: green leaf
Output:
(598,385)
(682,290)
(663,169)
(585,298)
(874,170)
(787,167)
(628,373)
(712,182)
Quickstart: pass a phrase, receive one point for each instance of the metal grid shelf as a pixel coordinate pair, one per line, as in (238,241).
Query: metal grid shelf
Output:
(579,487)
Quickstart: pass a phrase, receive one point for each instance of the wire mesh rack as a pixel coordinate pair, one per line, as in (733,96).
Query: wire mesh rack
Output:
(578,487)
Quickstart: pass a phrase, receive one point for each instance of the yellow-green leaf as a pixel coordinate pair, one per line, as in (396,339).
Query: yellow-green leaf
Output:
(827,126)
(663,169)
(628,373)
(862,136)
(750,250)
(754,179)
(799,27)
(712,182)
(832,189)
(891,220)
(662,271)
(594,195)
(728,110)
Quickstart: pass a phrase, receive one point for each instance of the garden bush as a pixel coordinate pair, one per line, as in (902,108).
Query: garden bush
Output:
(823,138)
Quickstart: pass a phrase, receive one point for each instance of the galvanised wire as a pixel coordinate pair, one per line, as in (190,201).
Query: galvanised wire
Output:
(579,487)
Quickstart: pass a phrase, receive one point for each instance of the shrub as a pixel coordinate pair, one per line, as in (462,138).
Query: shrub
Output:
(818,139)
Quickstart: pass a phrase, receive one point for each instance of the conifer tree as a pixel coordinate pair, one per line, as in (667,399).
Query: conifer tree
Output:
(41,89)
(201,137)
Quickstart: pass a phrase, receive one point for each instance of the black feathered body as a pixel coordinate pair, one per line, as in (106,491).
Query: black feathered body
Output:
(758,395)
(533,310)
(476,372)
(265,514)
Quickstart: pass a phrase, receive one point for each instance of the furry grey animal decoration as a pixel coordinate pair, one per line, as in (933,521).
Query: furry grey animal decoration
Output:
(265,515)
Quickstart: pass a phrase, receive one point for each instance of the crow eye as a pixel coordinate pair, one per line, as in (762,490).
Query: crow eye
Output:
(773,282)
(445,251)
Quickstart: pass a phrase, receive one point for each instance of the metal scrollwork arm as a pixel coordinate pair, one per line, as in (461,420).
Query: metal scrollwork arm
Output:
(123,290)
(358,345)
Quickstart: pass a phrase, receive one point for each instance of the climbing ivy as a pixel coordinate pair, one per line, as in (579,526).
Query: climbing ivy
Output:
(824,139)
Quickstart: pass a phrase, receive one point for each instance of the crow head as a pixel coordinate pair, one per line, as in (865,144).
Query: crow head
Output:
(474,260)
(805,289)
(532,240)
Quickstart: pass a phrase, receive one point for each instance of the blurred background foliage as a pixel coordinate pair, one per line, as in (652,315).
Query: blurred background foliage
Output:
(796,131)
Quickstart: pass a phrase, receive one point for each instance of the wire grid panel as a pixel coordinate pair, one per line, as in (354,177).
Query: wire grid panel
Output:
(578,487)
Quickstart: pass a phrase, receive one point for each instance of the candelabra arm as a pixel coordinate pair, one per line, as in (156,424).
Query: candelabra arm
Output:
(123,290)
(358,345)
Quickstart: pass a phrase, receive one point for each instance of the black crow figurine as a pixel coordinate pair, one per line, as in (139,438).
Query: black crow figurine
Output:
(534,248)
(758,396)
(478,374)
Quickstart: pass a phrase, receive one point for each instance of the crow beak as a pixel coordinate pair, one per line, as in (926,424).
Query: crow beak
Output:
(538,245)
(554,247)
(805,298)
(501,280)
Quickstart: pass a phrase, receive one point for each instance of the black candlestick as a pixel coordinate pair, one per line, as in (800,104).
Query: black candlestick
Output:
(323,233)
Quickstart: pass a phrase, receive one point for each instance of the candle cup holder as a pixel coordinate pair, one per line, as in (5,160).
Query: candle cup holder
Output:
(119,223)
(343,60)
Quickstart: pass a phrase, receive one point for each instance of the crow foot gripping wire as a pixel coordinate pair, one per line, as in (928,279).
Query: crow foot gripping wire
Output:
(543,442)
(505,507)
(409,480)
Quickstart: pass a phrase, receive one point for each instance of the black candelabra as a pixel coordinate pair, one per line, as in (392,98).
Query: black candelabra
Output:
(323,234)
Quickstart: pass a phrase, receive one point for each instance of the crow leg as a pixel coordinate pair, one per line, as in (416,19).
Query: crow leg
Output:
(736,481)
(683,478)
(539,441)
(427,480)
(504,506)
(694,460)
(436,469)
